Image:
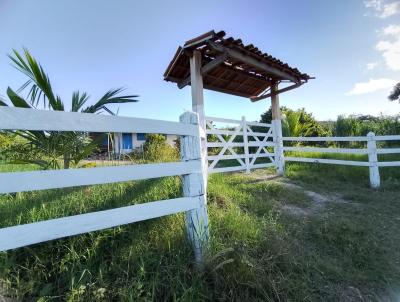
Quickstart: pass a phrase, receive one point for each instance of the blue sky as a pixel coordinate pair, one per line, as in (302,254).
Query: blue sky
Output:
(352,47)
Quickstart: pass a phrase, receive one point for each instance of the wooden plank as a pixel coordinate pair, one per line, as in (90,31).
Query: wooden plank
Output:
(328,161)
(326,139)
(193,185)
(389,164)
(222,131)
(387,138)
(226,169)
(258,166)
(234,54)
(275,108)
(33,119)
(226,146)
(223,120)
(205,69)
(261,97)
(251,144)
(342,138)
(374,177)
(279,154)
(388,151)
(259,124)
(27,234)
(246,145)
(236,156)
(222,140)
(230,132)
(260,148)
(50,179)
(198,106)
(326,150)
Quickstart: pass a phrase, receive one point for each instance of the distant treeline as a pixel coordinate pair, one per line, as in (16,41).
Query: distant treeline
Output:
(301,123)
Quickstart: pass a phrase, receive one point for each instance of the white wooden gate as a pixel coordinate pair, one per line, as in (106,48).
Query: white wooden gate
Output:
(239,140)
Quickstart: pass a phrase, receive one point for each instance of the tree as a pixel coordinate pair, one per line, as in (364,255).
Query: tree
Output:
(395,94)
(53,145)
(296,122)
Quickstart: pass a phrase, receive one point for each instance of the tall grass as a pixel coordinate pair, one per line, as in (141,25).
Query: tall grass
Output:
(258,251)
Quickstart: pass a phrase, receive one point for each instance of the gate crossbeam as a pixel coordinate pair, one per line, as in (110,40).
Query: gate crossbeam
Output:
(227,145)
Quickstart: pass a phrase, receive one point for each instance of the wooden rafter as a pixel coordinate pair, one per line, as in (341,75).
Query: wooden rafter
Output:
(205,69)
(261,97)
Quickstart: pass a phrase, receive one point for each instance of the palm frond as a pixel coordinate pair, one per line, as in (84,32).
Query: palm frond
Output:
(39,81)
(78,100)
(3,101)
(111,97)
(16,99)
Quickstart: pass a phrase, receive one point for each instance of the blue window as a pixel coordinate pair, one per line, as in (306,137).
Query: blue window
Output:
(105,139)
(141,136)
(127,141)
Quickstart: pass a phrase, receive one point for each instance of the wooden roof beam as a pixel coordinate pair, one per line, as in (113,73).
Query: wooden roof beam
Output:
(206,68)
(261,97)
(237,55)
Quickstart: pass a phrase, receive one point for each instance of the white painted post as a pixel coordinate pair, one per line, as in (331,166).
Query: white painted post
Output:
(196,83)
(277,129)
(193,186)
(374,177)
(246,145)
(278,148)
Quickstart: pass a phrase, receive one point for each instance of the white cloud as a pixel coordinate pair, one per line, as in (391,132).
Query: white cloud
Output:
(372,65)
(390,9)
(391,49)
(381,9)
(391,30)
(374,4)
(372,85)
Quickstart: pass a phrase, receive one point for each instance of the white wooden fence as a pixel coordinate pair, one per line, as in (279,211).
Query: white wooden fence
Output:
(237,138)
(253,144)
(193,202)
(371,150)
(237,135)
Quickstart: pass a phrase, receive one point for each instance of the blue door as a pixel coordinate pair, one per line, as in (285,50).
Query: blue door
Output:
(127,141)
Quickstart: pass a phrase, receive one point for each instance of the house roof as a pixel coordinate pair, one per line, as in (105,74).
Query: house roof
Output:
(231,67)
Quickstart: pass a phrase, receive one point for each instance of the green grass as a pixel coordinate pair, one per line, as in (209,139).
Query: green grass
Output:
(258,252)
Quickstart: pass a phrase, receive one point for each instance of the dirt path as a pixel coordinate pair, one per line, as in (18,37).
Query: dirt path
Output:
(318,201)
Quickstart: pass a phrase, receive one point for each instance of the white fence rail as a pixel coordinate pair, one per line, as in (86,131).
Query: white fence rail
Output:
(371,150)
(193,202)
(239,136)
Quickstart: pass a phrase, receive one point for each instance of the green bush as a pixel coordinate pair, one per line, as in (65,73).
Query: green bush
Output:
(156,149)
(361,125)
(12,147)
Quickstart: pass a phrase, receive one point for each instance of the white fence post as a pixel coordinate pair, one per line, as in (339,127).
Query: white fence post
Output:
(246,145)
(278,140)
(193,186)
(374,177)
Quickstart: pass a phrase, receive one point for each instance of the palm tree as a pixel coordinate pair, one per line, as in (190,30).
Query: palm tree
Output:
(53,145)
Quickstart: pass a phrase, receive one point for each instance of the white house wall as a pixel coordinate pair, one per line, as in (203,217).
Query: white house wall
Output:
(137,144)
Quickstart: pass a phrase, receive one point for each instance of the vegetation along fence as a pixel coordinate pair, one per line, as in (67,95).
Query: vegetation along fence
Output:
(371,150)
(190,167)
(248,141)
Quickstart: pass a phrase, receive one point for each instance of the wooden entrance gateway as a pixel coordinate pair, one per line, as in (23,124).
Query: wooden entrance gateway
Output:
(213,61)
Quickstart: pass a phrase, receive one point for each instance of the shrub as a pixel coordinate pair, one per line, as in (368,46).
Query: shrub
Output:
(156,149)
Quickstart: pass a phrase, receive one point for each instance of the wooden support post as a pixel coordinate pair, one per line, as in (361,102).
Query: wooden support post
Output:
(277,129)
(193,186)
(246,145)
(374,177)
(198,106)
